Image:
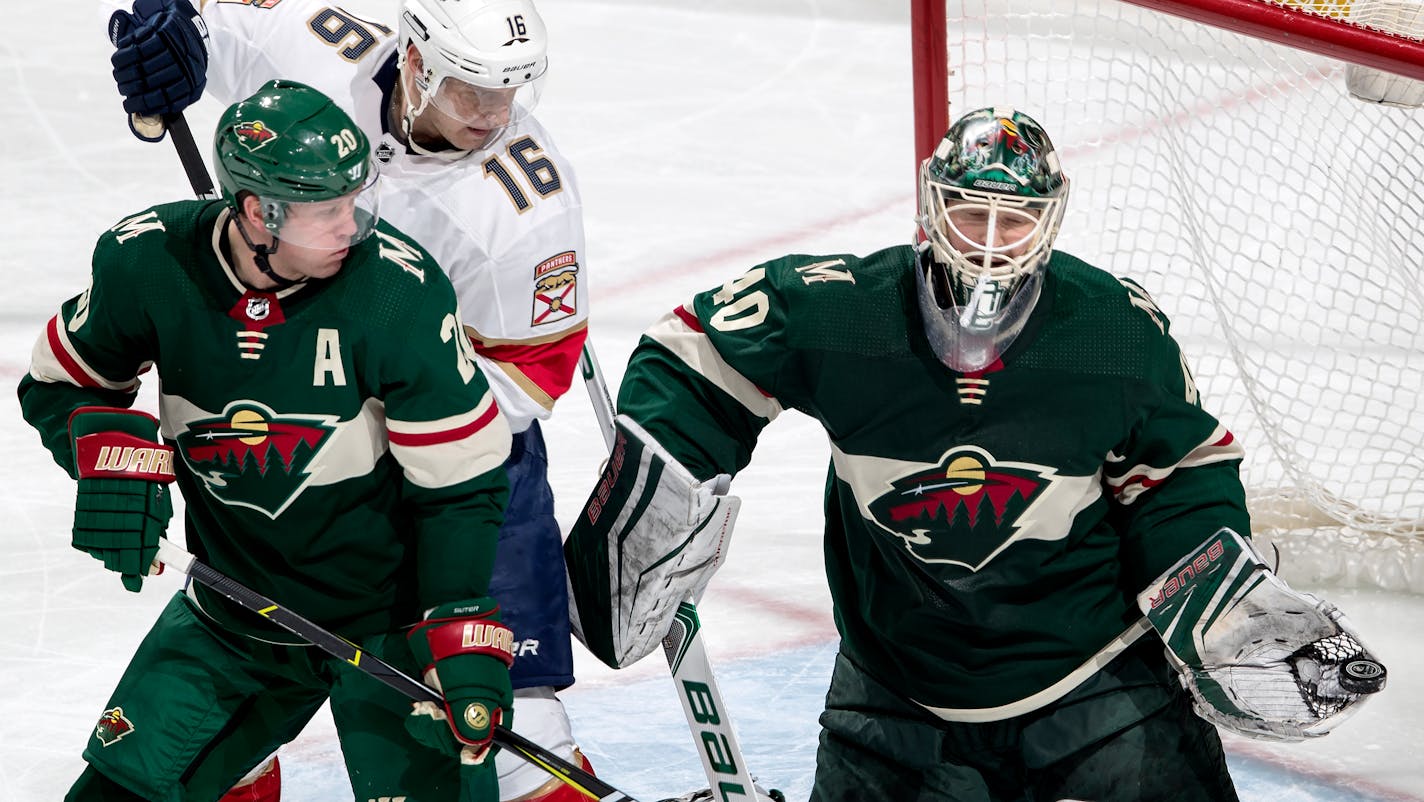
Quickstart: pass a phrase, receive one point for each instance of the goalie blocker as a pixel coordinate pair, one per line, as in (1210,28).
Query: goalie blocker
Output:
(1256,656)
(649,536)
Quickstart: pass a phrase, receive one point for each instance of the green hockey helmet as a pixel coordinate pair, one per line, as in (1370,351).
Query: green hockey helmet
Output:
(306,161)
(991,199)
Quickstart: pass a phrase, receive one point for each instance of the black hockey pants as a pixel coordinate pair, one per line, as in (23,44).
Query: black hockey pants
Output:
(1126,734)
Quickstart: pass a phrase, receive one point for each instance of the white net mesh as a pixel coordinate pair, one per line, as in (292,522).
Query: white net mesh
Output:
(1277,221)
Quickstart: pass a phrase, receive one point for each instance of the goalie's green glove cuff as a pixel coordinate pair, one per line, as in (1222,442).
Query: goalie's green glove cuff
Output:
(1179,598)
(1257,657)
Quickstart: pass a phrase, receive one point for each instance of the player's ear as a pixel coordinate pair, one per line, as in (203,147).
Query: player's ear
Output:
(251,209)
(250,212)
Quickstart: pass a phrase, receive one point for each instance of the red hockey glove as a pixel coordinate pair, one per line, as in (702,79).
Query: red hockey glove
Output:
(465,653)
(123,504)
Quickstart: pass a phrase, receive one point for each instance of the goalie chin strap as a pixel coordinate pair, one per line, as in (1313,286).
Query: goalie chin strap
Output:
(172,554)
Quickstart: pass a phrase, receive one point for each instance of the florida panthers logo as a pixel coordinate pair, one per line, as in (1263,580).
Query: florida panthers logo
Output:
(970,507)
(112,727)
(253,457)
(555,288)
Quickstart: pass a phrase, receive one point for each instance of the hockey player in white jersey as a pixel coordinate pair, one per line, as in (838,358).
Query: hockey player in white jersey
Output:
(445,96)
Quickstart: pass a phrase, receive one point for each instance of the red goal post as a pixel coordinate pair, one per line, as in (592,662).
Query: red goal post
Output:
(1220,156)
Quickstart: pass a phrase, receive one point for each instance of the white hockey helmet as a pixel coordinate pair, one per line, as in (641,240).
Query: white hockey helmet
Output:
(482,61)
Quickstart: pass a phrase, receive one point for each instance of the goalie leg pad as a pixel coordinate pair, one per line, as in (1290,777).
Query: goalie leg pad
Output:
(649,537)
(1257,657)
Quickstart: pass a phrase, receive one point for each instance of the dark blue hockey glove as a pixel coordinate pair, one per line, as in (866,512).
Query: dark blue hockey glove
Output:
(160,60)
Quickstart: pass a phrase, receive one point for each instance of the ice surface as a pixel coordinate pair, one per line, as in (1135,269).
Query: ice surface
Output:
(707,136)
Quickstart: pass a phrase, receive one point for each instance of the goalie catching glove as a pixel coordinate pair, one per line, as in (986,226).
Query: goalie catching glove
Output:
(122,504)
(649,537)
(465,653)
(1257,657)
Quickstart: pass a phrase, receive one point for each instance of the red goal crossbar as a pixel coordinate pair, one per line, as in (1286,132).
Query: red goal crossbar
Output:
(1295,27)
(1279,22)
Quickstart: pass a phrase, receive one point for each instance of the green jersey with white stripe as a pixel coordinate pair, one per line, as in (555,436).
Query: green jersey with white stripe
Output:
(986,533)
(339,450)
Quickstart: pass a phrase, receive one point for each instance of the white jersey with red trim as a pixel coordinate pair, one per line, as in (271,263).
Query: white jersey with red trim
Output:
(505,223)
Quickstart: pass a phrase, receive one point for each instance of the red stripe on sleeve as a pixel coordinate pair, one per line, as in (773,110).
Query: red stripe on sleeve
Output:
(685,315)
(1146,483)
(550,366)
(447,436)
(76,373)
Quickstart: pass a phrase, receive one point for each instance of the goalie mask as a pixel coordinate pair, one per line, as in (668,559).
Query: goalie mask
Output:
(305,160)
(482,64)
(991,200)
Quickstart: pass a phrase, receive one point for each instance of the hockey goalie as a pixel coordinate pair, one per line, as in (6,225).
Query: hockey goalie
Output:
(1036,537)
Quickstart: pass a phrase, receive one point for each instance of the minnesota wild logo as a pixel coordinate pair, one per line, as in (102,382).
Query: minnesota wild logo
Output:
(965,510)
(253,135)
(112,727)
(251,456)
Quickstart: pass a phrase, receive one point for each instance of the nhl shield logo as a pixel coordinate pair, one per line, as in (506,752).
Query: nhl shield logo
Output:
(258,307)
(965,510)
(112,727)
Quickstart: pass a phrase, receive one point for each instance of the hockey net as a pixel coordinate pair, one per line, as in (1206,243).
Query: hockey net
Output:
(1275,218)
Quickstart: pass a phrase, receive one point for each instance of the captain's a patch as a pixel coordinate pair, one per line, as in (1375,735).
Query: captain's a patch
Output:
(555,289)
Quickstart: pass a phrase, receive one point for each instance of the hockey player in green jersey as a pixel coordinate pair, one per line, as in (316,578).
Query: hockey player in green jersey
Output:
(337,450)
(1023,488)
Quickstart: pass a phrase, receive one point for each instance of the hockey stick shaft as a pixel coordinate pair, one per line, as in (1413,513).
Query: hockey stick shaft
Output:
(603,408)
(335,645)
(701,698)
(190,156)
(170,553)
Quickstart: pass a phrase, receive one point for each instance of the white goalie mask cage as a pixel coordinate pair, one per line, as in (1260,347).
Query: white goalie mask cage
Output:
(482,63)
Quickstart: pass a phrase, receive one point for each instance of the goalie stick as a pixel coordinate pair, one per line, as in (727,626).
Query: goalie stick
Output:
(712,733)
(170,553)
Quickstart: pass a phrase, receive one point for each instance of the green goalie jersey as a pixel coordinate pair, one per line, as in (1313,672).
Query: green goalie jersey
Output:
(987,533)
(339,450)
